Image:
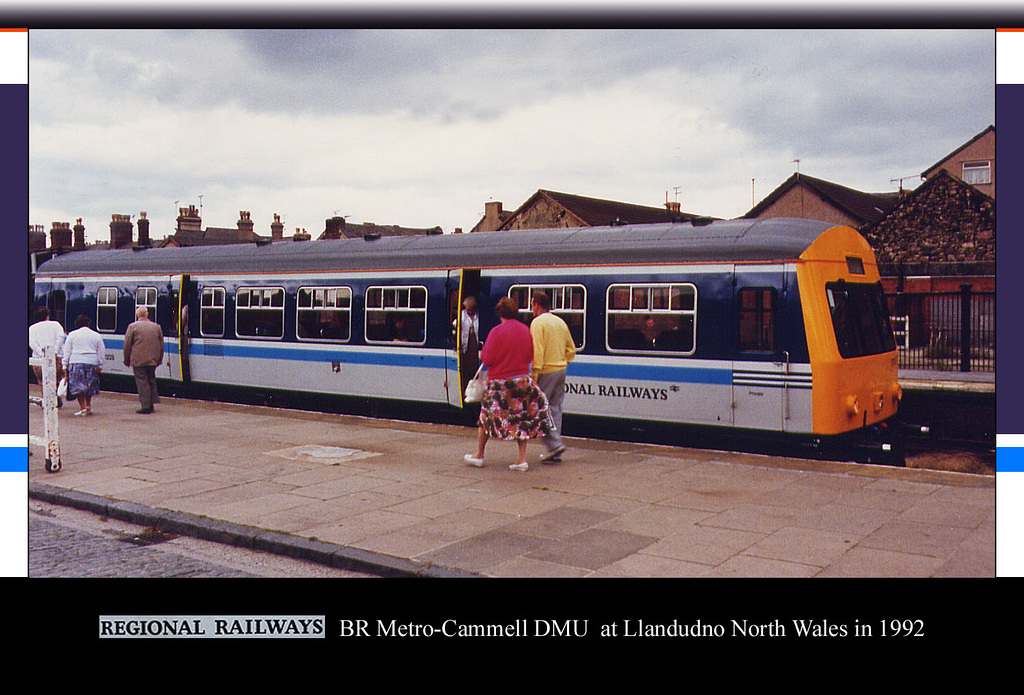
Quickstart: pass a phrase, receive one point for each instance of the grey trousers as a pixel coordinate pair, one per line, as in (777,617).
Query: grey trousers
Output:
(145,380)
(553,386)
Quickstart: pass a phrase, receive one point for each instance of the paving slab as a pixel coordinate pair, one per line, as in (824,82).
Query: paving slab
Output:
(397,496)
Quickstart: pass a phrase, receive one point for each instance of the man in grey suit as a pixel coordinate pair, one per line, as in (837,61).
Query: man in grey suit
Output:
(143,352)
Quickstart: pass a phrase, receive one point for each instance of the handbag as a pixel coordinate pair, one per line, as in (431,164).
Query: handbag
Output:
(476,387)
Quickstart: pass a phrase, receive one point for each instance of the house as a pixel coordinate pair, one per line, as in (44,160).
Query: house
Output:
(809,198)
(937,237)
(550,209)
(974,163)
(339,228)
(190,231)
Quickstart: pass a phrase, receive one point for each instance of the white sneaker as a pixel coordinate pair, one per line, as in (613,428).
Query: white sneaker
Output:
(524,466)
(473,461)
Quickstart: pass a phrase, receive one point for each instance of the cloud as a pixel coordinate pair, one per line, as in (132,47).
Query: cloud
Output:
(420,128)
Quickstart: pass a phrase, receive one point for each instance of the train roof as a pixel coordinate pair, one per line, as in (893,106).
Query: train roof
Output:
(770,239)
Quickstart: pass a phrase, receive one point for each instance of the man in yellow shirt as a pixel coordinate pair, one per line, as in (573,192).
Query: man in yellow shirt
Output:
(553,350)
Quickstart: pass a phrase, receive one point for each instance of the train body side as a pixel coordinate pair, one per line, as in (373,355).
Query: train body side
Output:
(763,354)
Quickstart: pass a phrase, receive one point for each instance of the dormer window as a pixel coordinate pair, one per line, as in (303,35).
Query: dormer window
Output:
(977,173)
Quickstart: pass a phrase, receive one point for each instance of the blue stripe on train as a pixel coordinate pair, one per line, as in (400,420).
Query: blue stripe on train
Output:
(578,369)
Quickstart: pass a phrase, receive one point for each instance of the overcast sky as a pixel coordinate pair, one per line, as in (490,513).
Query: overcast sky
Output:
(422,128)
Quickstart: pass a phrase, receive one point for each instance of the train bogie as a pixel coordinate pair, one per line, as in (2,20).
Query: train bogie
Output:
(774,325)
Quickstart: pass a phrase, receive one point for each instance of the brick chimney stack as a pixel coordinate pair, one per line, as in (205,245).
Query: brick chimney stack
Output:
(144,230)
(79,235)
(333,227)
(60,236)
(36,237)
(244,224)
(276,229)
(189,220)
(672,206)
(120,231)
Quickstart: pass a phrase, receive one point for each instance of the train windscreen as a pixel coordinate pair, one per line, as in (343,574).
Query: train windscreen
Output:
(860,319)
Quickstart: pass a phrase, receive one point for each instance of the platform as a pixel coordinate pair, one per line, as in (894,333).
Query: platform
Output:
(396,497)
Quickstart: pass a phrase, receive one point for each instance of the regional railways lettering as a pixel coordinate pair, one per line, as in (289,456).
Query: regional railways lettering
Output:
(611,391)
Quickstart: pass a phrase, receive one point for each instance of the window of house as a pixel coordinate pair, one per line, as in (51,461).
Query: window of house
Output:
(211,312)
(259,312)
(106,309)
(324,313)
(977,173)
(568,302)
(146,296)
(396,314)
(757,319)
(658,318)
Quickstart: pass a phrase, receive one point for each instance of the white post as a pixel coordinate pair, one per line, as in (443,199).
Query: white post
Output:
(51,435)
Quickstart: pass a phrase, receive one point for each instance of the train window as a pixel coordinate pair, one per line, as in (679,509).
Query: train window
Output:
(396,315)
(658,318)
(757,319)
(323,313)
(146,296)
(568,302)
(860,319)
(58,307)
(106,309)
(259,312)
(211,312)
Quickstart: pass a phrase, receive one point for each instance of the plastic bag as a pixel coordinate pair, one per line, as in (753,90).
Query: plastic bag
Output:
(62,388)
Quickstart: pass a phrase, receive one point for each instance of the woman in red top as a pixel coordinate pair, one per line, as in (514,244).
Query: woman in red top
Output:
(513,408)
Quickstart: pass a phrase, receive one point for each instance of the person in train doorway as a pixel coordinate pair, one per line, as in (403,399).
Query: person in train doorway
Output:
(553,350)
(143,352)
(46,332)
(469,340)
(513,407)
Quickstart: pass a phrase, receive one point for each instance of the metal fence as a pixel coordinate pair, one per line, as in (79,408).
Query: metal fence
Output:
(946,331)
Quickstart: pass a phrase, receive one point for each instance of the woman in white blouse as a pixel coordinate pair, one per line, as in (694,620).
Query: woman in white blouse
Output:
(83,362)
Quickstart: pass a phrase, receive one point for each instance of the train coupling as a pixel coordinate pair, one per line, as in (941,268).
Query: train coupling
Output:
(917,430)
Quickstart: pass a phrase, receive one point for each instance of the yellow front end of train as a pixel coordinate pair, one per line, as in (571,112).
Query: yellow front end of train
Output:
(854,363)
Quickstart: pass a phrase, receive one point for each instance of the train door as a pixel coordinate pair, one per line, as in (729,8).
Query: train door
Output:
(761,366)
(180,300)
(461,356)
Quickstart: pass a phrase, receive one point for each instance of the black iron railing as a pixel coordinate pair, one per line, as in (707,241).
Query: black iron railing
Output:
(947,331)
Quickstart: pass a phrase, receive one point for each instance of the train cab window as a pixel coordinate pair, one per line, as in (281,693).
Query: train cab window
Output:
(146,296)
(860,319)
(568,302)
(259,312)
(211,312)
(106,309)
(757,319)
(396,315)
(324,313)
(654,318)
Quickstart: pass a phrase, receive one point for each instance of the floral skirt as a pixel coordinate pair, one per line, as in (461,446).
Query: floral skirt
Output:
(83,380)
(514,409)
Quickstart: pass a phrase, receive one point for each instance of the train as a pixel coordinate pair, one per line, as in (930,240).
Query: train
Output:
(742,326)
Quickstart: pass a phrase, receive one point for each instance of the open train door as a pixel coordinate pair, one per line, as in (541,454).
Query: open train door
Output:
(181,324)
(461,284)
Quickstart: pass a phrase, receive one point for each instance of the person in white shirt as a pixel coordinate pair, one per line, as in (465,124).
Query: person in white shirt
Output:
(84,353)
(469,340)
(45,332)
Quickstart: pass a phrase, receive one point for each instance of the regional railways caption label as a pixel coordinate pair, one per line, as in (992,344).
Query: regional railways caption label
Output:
(212,626)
